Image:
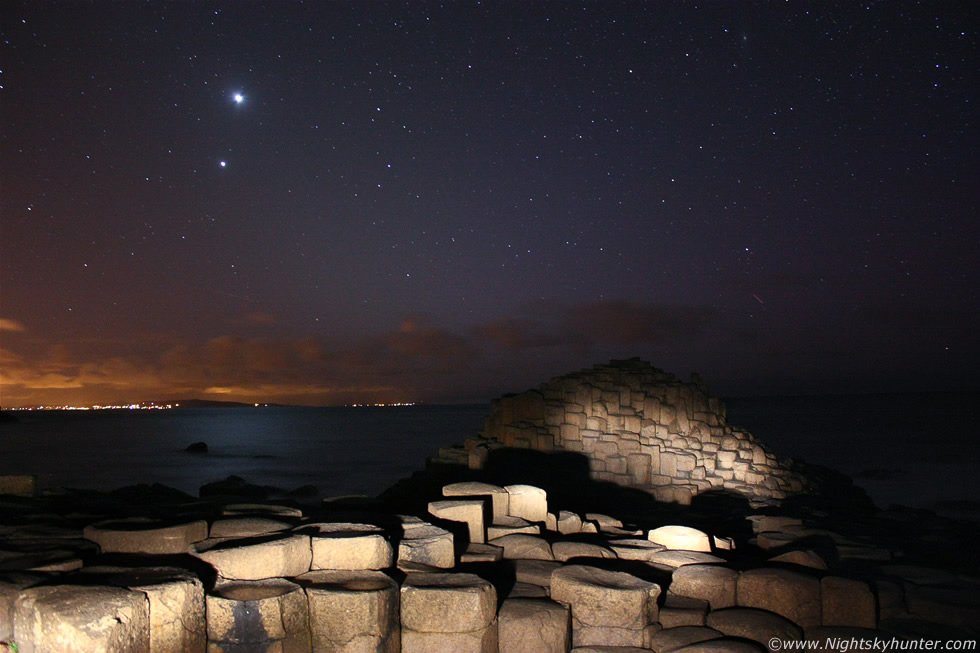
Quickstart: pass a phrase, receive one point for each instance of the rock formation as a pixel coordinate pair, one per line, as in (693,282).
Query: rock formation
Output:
(640,427)
(520,574)
(495,568)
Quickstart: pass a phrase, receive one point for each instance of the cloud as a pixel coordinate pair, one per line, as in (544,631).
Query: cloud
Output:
(630,323)
(6,324)
(260,318)
(516,334)
(417,360)
(586,326)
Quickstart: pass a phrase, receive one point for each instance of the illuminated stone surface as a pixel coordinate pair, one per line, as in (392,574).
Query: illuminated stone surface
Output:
(608,607)
(527,547)
(499,497)
(271,614)
(348,546)
(275,556)
(468,511)
(640,427)
(534,625)
(138,535)
(681,537)
(352,610)
(73,619)
(423,543)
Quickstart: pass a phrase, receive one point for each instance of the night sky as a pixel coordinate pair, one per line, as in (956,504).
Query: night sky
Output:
(324,203)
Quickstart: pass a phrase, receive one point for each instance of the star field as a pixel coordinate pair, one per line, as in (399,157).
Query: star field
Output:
(331,202)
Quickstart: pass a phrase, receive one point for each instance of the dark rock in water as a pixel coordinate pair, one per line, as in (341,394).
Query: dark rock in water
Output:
(235,486)
(151,494)
(304,491)
(197,447)
(832,491)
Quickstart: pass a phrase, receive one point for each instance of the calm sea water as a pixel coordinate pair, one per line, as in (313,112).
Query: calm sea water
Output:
(909,449)
(339,450)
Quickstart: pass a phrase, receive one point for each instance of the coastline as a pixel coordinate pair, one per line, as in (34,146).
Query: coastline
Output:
(912,449)
(889,575)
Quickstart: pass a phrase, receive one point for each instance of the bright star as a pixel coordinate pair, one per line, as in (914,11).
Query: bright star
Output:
(238,98)
(222,164)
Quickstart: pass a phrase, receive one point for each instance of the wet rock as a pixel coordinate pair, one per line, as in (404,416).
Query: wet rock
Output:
(233,486)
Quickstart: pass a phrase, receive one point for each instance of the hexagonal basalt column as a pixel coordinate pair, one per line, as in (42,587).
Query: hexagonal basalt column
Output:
(261,615)
(534,625)
(528,502)
(257,558)
(682,538)
(499,497)
(140,535)
(176,602)
(425,544)
(443,612)
(712,583)
(347,546)
(352,610)
(67,619)
(467,511)
(608,607)
(791,594)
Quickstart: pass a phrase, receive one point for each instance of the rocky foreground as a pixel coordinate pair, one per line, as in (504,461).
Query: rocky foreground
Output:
(438,564)
(612,509)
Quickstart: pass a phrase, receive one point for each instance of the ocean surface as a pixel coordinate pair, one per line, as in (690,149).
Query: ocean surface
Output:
(911,449)
(915,450)
(342,451)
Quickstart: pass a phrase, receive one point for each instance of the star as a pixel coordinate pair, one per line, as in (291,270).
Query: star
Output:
(238,98)
(223,164)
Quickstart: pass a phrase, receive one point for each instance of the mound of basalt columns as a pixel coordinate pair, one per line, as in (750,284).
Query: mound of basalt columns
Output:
(274,577)
(639,427)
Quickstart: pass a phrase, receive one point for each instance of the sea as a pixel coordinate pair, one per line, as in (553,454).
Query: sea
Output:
(919,450)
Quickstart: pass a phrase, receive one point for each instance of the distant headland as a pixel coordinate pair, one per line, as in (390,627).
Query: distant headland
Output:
(194,403)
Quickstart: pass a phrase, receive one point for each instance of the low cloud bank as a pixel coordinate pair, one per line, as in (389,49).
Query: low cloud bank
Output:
(421,361)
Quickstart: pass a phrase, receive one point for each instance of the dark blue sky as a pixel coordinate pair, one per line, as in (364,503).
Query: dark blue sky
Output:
(444,202)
